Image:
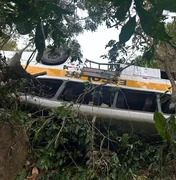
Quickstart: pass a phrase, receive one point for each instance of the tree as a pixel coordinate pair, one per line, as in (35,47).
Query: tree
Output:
(53,19)
(145,22)
(165,54)
(61,20)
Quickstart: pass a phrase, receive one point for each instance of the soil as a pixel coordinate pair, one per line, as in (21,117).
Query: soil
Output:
(13,150)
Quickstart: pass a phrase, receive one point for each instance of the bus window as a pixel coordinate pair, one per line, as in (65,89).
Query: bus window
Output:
(98,96)
(72,91)
(44,87)
(121,101)
(166,105)
(136,100)
(148,103)
(103,96)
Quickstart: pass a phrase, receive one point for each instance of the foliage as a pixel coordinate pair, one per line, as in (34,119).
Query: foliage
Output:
(149,63)
(22,175)
(142,22)
(165,53)
(62,20)
(166,127)
(54,20)
(66,145)
(149,13)
(61,139)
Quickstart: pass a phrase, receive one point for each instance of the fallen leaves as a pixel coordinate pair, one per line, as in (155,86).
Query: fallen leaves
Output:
(35,173)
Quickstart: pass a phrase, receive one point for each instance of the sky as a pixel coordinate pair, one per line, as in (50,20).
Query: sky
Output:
(93,43)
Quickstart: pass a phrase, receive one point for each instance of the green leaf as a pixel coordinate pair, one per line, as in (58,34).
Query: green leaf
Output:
(160,124)
(164,98)
(125,139)
(39,40)
(151,25)
(110,43)
(172,128)
(1,33)
(169,5)
(20,1)
(57,31)
(127,30)
(58,10)
(149,54)
(123,8)
(23,17)
(24,27)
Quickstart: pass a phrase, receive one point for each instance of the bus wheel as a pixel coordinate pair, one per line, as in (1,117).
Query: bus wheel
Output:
(54,57)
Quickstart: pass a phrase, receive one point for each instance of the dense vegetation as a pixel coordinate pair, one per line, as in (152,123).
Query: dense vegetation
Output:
(63,144)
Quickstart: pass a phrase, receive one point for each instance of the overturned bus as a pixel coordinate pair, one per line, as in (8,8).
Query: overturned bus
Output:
(127,101)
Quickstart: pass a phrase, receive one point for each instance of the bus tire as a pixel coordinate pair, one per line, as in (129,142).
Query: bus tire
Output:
(55,57)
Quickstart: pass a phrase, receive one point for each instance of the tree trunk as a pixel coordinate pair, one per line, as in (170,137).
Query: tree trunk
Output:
(13,151)
(172,81)
(165,56)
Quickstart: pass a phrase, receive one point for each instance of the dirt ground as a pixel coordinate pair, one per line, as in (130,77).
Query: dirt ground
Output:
(13,151)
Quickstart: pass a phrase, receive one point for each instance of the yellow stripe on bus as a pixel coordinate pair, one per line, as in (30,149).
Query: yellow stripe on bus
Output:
(75,75)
